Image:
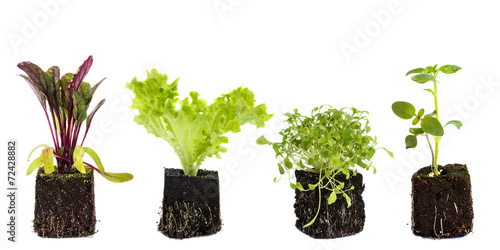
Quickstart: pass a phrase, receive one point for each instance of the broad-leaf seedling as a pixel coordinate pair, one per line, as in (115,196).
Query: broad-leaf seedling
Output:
(65,101)
(328,143)
(194,129)
(430,125)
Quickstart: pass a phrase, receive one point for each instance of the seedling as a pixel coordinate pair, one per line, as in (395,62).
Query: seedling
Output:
(430,125)
(328,143)
(194,129)
(66,100)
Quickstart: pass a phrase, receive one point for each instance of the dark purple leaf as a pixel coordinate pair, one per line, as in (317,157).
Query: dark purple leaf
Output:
(91,116)
(41,97)
(79,107)
(81,73)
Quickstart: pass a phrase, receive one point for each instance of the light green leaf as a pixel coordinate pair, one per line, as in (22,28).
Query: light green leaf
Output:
(263,141)
(39,146)
(288,163)
(348,199)
(299,186)
(457,124)
(332,198)
(293,186)
(423,78)
(403,110)
(117,177)
(38,162)
(449,69)
(421,113)
(312,186)
(417,70)
(48,160)
(78,159)
(94,157)
(411,141)
(415,121)
(432,126)
(391,154)
(280,168)
(416,131)
(194,129)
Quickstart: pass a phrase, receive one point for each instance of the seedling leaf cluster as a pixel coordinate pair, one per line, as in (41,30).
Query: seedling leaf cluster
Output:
(430,125)
(65,101)
(329,143)
(194,129)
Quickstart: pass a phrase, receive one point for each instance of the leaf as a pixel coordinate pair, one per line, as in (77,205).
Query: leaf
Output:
(403,110)
(312,186)
(81,73)
(416,131)
(94,157)
(299,186)
(415,121)
(421,113)
(78,159)
(417,70)
(293,186)
(457,124)
(449,69)
(332,198)
(433,113)
(90,117)
(117,177)
(39,146)
(193,129)
(48,159)
(432,126)
(79,107)
(391,154)
(411,141)
(38,162)
(280,168)
(288,163)
(423,78)
(39,94)
(263,141)
(348,200)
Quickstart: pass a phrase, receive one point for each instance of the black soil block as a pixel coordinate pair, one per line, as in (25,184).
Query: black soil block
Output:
(191,205)
(334,220)
(442,206)
(64,204)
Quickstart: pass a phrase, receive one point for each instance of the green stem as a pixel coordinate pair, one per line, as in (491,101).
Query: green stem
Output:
(436,138)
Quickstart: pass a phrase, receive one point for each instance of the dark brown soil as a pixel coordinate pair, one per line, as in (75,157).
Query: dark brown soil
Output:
(64,204)
(442,206)
(191,205)
(334,220)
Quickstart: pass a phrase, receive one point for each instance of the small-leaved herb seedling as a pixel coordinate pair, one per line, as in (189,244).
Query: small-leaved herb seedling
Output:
(429,123)
(194,129)
(66,100)
(327,143)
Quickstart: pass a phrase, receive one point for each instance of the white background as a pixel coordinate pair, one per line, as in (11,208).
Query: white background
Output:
(291,54)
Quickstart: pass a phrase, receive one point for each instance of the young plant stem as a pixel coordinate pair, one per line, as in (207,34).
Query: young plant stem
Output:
(432,151)
(436,138)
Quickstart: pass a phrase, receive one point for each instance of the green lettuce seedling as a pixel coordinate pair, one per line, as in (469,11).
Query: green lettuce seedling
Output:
(66,100)
(328,143)
(429,123)
(194,129)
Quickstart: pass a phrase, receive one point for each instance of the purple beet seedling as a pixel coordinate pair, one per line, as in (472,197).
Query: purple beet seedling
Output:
(65,101)
(430,125)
